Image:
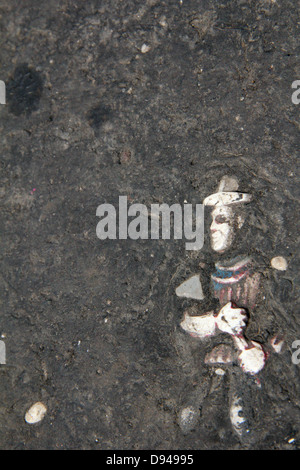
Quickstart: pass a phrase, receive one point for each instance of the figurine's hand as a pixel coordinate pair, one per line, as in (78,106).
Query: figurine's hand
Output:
(231,320)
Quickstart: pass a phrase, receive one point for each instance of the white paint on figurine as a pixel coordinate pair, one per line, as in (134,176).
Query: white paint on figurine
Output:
(188,418)
(227,194)
(230,319)
(221,354)
(236,418)
(201,326)
(252,357)
(223,227)
(226,198)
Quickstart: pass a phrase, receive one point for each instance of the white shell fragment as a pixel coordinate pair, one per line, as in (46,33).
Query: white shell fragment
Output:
(279,263)
(36,413)
(191,289)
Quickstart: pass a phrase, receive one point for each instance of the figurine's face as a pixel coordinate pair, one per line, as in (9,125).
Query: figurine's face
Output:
(223,228)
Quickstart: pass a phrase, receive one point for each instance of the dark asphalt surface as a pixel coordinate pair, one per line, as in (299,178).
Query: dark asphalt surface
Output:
(91,327)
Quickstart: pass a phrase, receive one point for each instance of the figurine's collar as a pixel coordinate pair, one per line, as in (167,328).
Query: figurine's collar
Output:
(232,271)
(234,264)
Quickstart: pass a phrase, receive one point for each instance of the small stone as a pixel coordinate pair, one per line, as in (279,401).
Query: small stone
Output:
(191,289)
(279,263)
(145,48)
(36,413)
(163,22)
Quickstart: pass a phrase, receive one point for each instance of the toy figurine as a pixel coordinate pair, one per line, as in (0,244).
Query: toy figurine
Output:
(235,285)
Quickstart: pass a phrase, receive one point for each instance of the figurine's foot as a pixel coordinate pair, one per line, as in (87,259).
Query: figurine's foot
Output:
(189,414)
(242,420)
(238,419)
(188,418)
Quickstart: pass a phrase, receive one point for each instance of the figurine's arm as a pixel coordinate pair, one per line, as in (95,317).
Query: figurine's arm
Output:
(230,319)
(199,326)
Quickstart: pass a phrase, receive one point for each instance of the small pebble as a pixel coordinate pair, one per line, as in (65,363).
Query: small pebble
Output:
(145,48)
(163,22)
(220,372)
(279,263)
(36,413)
(277,344)
(191,288)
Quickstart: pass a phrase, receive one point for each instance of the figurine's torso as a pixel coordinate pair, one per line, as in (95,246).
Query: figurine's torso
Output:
(236,281)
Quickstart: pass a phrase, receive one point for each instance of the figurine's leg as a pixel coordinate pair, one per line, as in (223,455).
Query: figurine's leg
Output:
(244,393)
(190,411)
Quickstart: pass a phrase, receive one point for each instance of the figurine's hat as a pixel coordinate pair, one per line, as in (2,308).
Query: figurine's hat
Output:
(227,194)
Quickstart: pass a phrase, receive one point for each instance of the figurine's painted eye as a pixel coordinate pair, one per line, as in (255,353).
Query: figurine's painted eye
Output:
(220,219)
